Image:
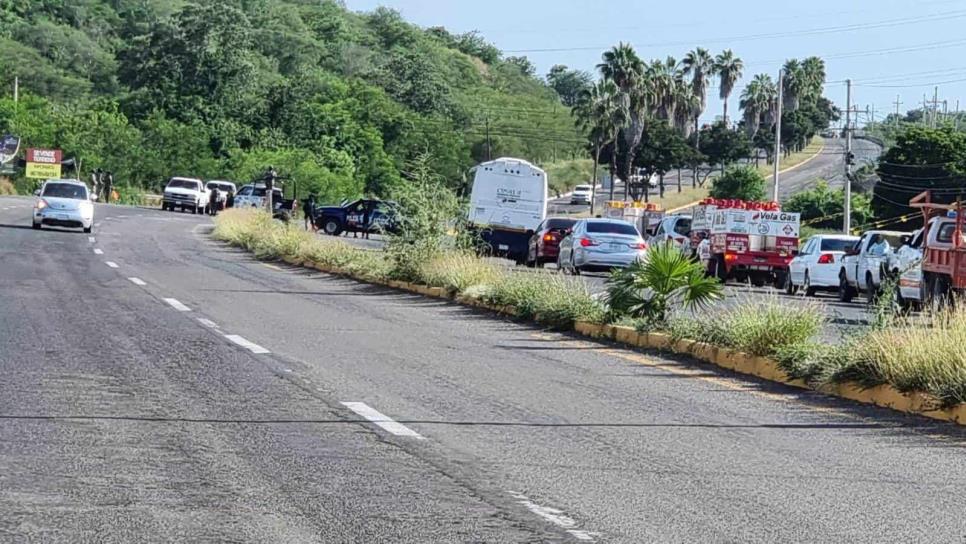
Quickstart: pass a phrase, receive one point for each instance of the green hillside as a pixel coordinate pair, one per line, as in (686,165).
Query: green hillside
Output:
(339,101)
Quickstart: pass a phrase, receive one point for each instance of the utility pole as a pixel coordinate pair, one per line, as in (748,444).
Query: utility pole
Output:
(489,156)
(16,89)
(872,118)
(847,223)
(925,110)
(778,132)
(957,114)
(897,103)
(935,105)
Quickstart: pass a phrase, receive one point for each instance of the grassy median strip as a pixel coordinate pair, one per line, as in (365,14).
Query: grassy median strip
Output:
(924,358)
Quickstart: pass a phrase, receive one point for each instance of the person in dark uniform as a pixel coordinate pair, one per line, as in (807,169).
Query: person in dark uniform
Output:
(308,211)
(213,200)
(230,199)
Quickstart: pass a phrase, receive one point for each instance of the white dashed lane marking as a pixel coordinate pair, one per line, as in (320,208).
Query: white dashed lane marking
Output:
(91,239)
(247,344)
(112,264)
(554,516)
(208,323)
(383,421)
(176,304)
(98,251)
(137,281)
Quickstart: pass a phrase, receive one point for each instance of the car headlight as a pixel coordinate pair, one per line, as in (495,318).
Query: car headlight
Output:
(41,204)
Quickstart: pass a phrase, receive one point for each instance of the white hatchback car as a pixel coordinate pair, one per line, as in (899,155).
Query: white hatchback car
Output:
(818,263)
(63,203)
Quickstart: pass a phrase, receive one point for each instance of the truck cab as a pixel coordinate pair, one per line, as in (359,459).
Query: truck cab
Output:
(864,264)
(364,215)
(186,194)
(673,228)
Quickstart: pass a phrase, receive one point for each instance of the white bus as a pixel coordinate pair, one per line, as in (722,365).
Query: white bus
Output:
(508,202)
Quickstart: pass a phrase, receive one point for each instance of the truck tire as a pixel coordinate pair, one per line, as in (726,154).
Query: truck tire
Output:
(720,270)
(790,288)
(331,226)
(940,292)
(781,278)
(846,291)
(871,290)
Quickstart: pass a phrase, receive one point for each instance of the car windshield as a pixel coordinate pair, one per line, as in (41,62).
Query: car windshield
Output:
(65,190)
(582,188)
(837,244)
(182,184)
(560,224)
(220,186)
(245,191)
(609,227)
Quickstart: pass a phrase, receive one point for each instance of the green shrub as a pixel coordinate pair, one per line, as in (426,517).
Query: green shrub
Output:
(458,271)
(555,299)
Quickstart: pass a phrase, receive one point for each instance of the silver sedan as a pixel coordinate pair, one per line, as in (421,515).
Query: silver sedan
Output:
(600,244)
(63,203)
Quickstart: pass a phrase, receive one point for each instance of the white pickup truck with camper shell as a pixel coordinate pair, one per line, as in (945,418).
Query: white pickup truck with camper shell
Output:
(865,264)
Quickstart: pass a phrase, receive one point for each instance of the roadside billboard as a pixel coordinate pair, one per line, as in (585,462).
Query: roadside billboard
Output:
(9,146)
(43,163)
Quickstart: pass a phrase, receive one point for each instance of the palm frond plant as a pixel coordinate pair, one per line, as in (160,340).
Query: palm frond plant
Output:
(666,279)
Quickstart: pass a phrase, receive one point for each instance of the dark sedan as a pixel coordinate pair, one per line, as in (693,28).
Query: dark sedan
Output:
(545,241)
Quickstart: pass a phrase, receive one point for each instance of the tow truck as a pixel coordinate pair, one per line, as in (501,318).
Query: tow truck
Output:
(943,248)
(750,241)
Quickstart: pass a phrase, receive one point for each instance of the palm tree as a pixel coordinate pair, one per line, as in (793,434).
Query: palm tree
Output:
(653,287)
(699,64)
(813,70)
(729,69)
(794,84)
(758,100)
(624,68)
(600,111)
(667,78)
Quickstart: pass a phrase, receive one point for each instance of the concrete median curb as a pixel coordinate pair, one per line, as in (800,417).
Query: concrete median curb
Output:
(885,396)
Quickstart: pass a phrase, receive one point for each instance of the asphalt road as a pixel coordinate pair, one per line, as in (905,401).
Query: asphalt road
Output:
(205,402)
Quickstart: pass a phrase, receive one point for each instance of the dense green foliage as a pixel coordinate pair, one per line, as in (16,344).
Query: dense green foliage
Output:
(822,207)
(921,159)
(744,182)
(336,100)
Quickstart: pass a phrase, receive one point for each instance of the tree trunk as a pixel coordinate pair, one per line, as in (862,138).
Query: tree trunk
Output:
(660,184)
(679,180)
(697,147)
(726,111)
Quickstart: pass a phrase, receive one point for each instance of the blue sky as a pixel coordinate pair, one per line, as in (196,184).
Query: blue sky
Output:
(887,47)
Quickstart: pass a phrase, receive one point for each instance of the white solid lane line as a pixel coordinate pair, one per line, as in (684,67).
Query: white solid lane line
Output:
(381,420)
(247,344)
(112,264)
(137,281)
(176,304)
(98,251)
(555,516)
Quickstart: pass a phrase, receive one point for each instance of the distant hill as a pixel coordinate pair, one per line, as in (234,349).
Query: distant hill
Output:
(221,88)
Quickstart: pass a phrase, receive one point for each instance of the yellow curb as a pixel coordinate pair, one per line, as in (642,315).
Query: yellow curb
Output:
(294,261)
(609,331)
(767,369)
(589,329)
(658,340)
(627,335)
(853,392)
(683,347)
(725,357)
(745,364)
(705,352)
(887,396)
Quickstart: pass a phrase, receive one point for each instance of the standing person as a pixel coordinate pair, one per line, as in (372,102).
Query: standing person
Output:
(95,184)
(230,199)
(108,186)
(704,252)
(308,211)
(213,200)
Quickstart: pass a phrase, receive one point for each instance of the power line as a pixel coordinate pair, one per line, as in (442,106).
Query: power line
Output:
(825,30)
(874,52)
(929,84)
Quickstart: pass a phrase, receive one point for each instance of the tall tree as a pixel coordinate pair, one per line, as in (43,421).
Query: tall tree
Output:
(622,66)
(729,69)
(601,112)
(757,101)
(569,84)
(699,64)
(794,84)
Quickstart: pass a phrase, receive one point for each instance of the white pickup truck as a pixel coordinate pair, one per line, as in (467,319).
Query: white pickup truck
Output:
(863,265)
(186,194)
(906,264)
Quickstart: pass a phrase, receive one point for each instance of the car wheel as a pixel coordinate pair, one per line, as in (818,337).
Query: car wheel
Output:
(88,229)
(332,227)
(36,226)
(807,286)
(790,288)
(845,290)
